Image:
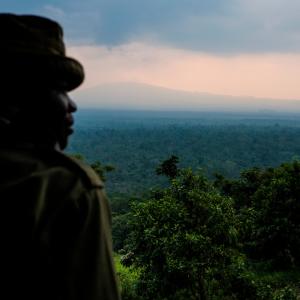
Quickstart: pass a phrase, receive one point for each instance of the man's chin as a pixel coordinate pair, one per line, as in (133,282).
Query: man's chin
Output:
(63,142)
(70,131)
(63,138)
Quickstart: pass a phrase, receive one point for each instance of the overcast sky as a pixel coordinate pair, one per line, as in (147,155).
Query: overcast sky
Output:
(237,47)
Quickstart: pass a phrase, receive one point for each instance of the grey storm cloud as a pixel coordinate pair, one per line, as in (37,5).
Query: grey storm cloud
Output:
(218,26)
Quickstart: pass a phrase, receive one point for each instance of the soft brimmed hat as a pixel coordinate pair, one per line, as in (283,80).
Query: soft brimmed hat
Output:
(32,51)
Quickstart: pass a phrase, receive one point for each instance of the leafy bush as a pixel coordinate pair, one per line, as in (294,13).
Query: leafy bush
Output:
(128,277)
(120,230)
(286,293)
(268,202)
(182,238)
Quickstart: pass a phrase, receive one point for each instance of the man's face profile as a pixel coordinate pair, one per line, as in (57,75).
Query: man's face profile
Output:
(61,108)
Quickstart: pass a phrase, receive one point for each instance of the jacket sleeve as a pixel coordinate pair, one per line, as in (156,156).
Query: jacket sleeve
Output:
(80,249)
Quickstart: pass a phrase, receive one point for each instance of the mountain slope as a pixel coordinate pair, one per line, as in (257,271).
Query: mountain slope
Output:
(147,97)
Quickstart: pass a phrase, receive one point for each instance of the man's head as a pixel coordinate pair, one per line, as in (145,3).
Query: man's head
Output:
(35,77)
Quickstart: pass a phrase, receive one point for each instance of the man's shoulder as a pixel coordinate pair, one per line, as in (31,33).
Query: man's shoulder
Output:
(54,164)
(80,169)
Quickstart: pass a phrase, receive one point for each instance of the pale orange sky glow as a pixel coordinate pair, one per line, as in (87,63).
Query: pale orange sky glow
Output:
(270,75)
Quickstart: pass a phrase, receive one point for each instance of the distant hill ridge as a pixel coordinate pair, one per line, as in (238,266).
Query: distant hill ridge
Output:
(139,96)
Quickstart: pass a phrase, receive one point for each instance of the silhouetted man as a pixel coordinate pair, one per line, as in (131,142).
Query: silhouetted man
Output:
(54,216)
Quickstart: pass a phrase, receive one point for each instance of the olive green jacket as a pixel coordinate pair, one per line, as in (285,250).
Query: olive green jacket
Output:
(55,240)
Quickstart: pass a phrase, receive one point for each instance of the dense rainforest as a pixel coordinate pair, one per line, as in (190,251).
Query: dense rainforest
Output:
(205,205)
(135,142)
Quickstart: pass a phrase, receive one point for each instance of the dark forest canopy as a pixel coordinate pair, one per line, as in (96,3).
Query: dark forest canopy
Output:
(134,142)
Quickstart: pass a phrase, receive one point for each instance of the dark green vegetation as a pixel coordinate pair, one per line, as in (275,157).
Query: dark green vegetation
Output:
(221,239)
(187,233)
(136,142)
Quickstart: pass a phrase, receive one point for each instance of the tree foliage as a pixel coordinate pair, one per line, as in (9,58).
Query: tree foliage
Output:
(183,238)
(169,167)
(100,169)
(268,203)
